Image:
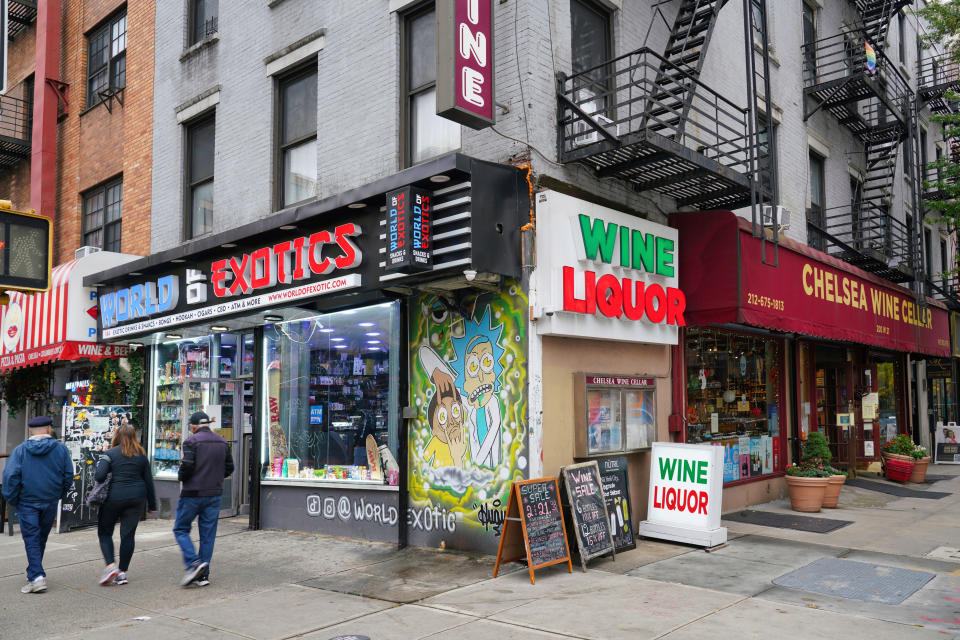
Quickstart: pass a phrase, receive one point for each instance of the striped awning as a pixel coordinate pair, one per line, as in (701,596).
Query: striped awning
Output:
(59,323)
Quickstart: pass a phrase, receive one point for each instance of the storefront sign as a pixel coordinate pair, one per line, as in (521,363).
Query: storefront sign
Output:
(808,292)
(620,381)
(686,487)
(605,274)
(465,62)
(588,510)
(409,237)
(245,281)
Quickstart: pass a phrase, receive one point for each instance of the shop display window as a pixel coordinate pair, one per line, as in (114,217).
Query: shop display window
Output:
(733,400)
(615,414)
(331,381)
(199,374)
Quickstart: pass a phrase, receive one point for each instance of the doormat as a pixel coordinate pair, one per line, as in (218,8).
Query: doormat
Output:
(856,580)
(931,478)
(787,521)
(895,490)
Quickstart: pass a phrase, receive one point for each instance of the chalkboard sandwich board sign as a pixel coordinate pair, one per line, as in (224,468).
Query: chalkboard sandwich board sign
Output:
(588,510)
(616,491)
(534,527)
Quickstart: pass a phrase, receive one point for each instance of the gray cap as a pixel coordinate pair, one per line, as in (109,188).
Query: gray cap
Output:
(200,418)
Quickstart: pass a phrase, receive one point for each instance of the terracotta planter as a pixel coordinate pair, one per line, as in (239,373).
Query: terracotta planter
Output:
(920,469)
(806,494)
(832,495)
(895,456)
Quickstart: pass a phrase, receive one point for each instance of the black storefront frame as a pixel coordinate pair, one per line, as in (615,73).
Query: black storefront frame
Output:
(498,203)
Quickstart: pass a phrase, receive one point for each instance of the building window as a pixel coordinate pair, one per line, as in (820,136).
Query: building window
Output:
(809,42)
(928,251)
(902,37)
(203,19)
(330,388)
(107,58)
(759,24)
(297,150)
(102,212)
(201,139)
(426,134)
(815,213)
(944,264)
(591,47)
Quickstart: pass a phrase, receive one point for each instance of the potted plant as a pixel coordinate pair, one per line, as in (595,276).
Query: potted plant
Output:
(807,486)
(920,462)
(816,452)
(900,448)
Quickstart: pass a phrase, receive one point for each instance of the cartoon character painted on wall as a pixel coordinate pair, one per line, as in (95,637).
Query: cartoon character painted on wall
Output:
(448,446)
(475,382)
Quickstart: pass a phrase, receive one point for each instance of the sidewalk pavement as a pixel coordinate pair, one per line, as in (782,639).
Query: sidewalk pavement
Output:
(270,584)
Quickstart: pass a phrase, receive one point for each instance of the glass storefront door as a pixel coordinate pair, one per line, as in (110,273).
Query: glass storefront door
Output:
(220,399)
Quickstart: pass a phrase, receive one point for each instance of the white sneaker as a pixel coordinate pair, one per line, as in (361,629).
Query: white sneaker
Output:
(120,578)
(109,574)
(37,585)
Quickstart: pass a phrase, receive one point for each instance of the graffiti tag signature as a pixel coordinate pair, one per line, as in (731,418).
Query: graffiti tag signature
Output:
(491,516)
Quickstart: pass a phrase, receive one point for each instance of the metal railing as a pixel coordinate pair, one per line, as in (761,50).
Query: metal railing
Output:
(868,231)
(640,92)
(936,72)
(844,57)
(938,179)
(15,118)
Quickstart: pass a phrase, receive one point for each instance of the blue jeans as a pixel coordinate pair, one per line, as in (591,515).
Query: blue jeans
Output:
(206,510)
(36,521)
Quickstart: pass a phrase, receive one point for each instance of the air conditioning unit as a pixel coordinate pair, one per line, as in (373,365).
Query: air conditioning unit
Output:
(82,252)
(584,134)
(776,215)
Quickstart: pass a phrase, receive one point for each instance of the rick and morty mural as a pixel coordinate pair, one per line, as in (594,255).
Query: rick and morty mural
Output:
(468,441)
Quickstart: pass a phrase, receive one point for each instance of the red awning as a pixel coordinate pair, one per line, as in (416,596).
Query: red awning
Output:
(66,350)
(725,280)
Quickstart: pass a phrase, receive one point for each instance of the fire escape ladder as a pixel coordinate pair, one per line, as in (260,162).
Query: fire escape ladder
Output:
(912,149)
(683,61)
(881,167)
(876,16)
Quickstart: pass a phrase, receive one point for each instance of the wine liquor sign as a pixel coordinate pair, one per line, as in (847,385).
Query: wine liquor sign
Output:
(605,274)
(686,494)
(465,62)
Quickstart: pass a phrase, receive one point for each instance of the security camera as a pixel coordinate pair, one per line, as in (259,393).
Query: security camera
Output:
(469,274)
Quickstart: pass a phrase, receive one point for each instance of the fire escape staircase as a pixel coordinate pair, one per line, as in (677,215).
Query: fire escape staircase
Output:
(876,16)
(939,75)
(16,116)
(874,102)
(20,14)
(628,118)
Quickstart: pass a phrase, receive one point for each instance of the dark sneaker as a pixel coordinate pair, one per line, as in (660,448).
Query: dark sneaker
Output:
(120,578)
(195,570)
(202,581)
(109,574)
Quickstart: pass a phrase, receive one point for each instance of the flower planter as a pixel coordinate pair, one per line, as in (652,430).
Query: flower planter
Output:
(832,495)
(899,471)
(895,456)
(920,469)
(806,494)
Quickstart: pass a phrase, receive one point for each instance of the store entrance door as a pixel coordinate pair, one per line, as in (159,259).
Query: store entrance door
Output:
(222,400)
(833,400)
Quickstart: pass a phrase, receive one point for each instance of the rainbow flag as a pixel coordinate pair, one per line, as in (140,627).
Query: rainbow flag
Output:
(871,58)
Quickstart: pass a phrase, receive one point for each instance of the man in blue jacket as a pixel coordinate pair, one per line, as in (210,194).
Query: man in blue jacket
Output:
(206,461)
(39,472)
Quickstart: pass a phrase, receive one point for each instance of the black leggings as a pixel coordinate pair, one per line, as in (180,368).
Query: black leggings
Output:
(128,513)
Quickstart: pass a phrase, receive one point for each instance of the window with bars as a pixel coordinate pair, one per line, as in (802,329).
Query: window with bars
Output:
(204,16)
(426,134)
(201,139)
(297,149)
(107,58)
(102,213)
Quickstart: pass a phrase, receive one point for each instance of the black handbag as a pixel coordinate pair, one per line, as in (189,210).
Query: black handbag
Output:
(98,494)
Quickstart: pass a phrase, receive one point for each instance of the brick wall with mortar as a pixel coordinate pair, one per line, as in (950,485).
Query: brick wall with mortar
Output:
(94,145)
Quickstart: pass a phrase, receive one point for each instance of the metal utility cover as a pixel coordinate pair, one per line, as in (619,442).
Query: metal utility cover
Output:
(856,580)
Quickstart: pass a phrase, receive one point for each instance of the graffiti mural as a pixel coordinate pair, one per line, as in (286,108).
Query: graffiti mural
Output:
(468,441)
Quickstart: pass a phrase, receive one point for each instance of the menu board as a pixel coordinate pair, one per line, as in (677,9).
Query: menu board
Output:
(588,510)
(616,492)
(541,536)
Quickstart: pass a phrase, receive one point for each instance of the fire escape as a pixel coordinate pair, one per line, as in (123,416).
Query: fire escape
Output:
(849,76)
(938,76)
(646,118)
(16,105)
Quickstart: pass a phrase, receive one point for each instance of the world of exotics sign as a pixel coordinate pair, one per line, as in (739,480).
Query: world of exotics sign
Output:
(824,297)
(606,274)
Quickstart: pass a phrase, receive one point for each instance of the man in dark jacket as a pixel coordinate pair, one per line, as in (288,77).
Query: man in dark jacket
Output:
(38,474)
(206,461)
